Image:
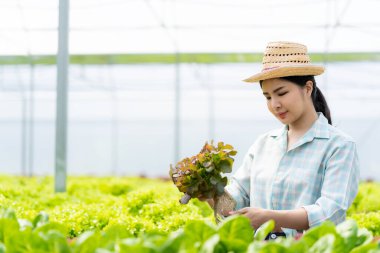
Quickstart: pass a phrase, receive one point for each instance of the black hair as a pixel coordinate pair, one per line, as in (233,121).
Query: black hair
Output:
(317,97)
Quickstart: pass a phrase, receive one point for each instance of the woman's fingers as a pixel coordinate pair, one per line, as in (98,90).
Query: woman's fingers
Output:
(202,198)
(240,211)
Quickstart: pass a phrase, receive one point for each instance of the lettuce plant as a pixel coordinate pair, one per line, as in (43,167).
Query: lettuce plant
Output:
(202,175)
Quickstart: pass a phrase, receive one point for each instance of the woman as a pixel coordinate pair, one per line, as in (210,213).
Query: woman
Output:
(308,171)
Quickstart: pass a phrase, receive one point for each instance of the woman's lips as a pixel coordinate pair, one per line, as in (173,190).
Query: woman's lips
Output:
(282,115)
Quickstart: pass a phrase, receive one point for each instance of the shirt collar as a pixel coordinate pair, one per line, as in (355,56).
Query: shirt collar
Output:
(278,132)
(320,129)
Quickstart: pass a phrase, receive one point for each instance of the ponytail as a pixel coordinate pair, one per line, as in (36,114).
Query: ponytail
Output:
(320,103)
(319,100)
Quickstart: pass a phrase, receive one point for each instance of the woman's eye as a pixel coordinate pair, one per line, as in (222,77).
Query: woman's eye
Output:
(282,94)
(268,98)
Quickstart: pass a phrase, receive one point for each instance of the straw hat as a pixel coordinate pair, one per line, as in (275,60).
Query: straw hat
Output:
(285,59)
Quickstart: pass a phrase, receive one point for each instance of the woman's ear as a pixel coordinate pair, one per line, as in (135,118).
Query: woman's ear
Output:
(309,88)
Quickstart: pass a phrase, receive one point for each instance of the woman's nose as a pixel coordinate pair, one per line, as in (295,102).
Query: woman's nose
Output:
(275,103)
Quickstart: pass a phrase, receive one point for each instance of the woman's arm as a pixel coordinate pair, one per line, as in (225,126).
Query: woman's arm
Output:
(295,219)
(240,185)
(339,187)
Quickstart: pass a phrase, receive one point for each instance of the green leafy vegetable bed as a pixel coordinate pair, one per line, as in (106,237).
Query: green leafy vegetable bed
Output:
(144,215)
(366,207)
(234,234)
(137,204)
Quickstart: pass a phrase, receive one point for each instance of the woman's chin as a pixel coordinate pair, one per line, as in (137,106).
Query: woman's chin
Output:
(285,120)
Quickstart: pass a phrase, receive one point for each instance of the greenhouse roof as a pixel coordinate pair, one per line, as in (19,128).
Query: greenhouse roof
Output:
(158,26)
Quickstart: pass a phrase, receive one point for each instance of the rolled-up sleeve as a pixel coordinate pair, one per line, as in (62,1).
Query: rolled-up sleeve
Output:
(239,186)
(339,187)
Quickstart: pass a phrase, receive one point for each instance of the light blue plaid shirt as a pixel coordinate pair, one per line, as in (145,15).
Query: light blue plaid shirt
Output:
(320,173)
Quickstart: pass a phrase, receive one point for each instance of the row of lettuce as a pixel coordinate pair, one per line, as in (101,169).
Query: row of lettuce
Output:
(120,214)
(234,234)
(137,204)
(365,209)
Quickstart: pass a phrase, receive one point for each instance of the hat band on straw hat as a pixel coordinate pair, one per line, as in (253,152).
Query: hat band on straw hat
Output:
(285,59)
(269,68)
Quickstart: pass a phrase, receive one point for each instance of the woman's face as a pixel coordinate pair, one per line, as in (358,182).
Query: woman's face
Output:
(285,100)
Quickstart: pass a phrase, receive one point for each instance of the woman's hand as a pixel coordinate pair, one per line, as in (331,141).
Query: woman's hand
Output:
(209,201)
(257,216)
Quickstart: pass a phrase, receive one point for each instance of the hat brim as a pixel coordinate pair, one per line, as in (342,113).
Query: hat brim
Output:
(295,70)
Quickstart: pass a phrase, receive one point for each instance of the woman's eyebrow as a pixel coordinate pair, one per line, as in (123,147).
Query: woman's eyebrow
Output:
(266,93)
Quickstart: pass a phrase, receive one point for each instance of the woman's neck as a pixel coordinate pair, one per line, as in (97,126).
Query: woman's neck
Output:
(303,124)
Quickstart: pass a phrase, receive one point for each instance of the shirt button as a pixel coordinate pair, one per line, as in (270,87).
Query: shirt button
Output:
(273,236)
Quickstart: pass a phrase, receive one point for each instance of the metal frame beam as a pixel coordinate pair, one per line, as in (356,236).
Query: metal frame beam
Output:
(61,103)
